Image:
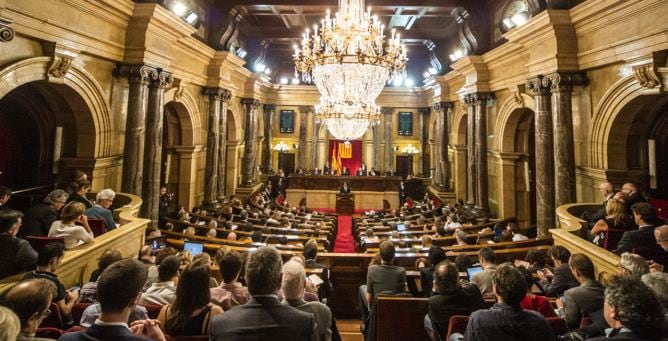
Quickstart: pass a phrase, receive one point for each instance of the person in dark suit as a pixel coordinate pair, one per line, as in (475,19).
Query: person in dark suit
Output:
(345,189)
(264,317)
(327,170)
(607,192)
(359,172)
(632,310)
(310,253)
(642,240)
(16,254)
(555,282)
(363,169)
(118,289)
(38,219)
(632,196)
(101,210)
(79,193)
(402,193)
(586,299)
(435,255)
(345,171)
(450,299)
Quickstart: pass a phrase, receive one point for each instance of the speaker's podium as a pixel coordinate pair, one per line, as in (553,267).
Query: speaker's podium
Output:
(345,203)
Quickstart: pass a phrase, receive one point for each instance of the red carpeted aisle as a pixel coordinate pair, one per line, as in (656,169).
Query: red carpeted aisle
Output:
(344,236)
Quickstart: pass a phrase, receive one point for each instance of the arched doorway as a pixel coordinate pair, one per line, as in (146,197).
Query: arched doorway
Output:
(233,156)
(171,138)
(40,123)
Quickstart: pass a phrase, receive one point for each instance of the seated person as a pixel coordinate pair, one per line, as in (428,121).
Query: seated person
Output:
(164,291)
(450,299)
(435,256)
(515,231)
(88,292)
(66,228)
(383,278)
(483,279)
(555,282)
(506,320)
(230,293)
(16,255)
(119,288)
(310,255)
(101,210)
(192,311)
(632,311)
(632,265)
(532,301)
(79,190)
(615,218)
(30,300)
(47,263)
(38,219)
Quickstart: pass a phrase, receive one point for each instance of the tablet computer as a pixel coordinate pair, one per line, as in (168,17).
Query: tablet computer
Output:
(401,227)
(195,248)
(157,243)
(472,271)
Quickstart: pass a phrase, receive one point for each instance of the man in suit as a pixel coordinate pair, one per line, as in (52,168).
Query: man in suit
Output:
(586,299)
(264,316)
(642,240)
(373,172)
(363,169)
(101,210)
(118,290)
(402,193)
(38,219)
(483,279)
(632,311)
(555,282)
(327,170)
(607,192)
(345,189)
(310,253)
(632,196)
(385,277)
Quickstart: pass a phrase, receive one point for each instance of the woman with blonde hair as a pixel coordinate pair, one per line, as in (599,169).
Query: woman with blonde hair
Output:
(615,218)
(66,228)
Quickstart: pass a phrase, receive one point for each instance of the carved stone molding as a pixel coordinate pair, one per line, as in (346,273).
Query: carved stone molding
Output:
(269,108)
(647,76)
(305,109)
(539,86)
(218,94)
(180,86)
(560,81)
(161,79)
(439,106)
(6,32)
(478,98)
(251,102)
(136,73)
(424,110)
(62,58)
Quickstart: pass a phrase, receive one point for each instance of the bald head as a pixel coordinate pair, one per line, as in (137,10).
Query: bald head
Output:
(606,189)
(661,235)
(293,280)
(629,188)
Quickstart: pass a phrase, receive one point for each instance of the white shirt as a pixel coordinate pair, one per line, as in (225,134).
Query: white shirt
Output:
(74,235)
(161,293)
(519,236)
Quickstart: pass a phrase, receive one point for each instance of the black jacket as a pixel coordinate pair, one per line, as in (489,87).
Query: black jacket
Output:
(37,221)
(642,242)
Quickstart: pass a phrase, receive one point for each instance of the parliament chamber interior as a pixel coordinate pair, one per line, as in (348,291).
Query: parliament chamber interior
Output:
(333,170)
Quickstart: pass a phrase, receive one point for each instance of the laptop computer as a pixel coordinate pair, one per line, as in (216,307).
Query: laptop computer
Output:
(401,227)
(472,271)
(195,248)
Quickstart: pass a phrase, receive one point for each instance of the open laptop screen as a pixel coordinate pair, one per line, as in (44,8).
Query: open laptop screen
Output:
(195,248)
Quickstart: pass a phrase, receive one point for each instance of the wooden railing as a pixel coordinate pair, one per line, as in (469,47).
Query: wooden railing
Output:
(570,232)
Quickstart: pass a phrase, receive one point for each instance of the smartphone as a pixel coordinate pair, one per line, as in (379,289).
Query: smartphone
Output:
(75,288)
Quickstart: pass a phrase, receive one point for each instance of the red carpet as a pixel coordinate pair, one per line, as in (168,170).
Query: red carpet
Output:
(344,236)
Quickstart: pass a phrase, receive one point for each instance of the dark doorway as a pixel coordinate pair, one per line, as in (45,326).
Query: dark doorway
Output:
(286,162)
(404,165)
(171,137)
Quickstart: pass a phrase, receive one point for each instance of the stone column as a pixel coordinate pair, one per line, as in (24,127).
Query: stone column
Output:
(212,145)
(442,140)
(314,144)
(153,145)
(426,162)
(564,150)
(460,170)
(544,156)
(135,125)
(482,188)
(469,101)
(387,114)
(303,152)
(269,111)
(251,107)
(376,147)
(222,150)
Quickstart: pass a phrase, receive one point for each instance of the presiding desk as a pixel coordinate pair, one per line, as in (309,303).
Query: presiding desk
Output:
(321,191)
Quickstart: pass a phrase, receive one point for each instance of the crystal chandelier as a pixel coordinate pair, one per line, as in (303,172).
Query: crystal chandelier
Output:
(349,63)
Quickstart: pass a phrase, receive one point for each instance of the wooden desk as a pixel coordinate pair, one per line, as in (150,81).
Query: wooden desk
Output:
(356,183)
(345,203)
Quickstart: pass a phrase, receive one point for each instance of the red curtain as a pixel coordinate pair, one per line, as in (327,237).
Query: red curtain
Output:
(354,162)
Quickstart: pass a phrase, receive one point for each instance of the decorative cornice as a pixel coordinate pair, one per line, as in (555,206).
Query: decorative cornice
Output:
(305,109)
(564,82)
(539,86)
(217,94)
(424,110)
(269,108)
(6,32)
(161,79)
(62,58)
(439,106)
(647,76)
(478,98)
(251,102)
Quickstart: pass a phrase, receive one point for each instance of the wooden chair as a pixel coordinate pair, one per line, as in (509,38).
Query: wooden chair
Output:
(457,324)
(98,226)
(153,310)
(612,238)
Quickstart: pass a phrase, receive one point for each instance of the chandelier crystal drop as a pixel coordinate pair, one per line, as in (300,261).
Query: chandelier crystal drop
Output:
(349,61)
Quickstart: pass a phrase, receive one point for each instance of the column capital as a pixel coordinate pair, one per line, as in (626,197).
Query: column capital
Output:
(217,94)
(136,73)
(161,79)
(424,110)
(387,110)
(269,107)
(251,102)
(539,86)
(439,106)
(305,109)
(564,81)
(6,32)
(478,98)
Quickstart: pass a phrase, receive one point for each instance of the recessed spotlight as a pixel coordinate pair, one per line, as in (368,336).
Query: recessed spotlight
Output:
(284,80)
(295,81)
(398,81)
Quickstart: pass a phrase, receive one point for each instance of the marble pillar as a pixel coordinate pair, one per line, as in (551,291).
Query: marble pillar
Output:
(303,153)
(389,154)
(482,185)
(469,101)
(442,111)
(426,162)
(153,145)
(135,125)
(376,148)
(222,150)
(564,149)
(268,113)
(314,144)
(212,144)
(251,107)
(545,210)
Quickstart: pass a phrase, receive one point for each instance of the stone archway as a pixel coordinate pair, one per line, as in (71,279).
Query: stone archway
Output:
(515,141)
(458,132)
(233,153)
(72,99)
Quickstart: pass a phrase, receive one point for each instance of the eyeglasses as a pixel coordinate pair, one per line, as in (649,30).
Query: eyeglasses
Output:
(46,313)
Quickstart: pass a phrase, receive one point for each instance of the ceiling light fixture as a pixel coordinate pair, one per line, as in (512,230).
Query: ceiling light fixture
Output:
(455,56)
(284,80)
